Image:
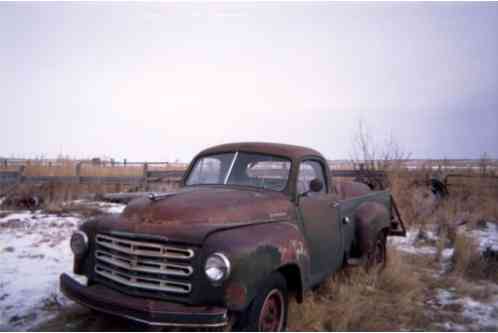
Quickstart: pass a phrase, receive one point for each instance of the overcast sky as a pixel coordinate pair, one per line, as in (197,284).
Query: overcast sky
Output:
(162,81)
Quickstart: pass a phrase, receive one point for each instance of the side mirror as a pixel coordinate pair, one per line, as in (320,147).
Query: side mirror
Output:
(316,185)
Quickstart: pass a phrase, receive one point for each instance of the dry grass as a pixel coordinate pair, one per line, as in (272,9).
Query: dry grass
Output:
(396,299)
(466,257)
(466,209)
(476,199)
(414,199)
(360,301)
(468,262)
(63,168)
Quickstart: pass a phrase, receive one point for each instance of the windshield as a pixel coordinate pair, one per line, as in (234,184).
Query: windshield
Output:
(245,169)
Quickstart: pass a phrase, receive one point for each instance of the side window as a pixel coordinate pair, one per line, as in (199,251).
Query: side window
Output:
(308,170)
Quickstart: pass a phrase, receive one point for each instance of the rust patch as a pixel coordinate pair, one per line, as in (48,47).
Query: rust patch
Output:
(292,251)
(235,294)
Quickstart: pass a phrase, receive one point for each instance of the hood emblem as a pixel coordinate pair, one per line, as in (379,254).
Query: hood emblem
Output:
(278,215)
(153,196)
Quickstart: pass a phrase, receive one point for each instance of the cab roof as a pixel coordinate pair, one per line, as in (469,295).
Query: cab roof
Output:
(278,149)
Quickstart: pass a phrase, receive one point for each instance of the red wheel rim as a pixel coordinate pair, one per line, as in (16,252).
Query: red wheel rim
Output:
(271,318)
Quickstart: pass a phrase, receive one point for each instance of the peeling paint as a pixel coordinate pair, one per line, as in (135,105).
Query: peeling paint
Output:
(235,294)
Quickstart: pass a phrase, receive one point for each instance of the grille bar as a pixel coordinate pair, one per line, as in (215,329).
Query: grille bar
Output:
(143,265)
(143,282)
(143,248)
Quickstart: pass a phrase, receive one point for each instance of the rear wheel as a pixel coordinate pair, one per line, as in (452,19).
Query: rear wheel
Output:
(268,310)
(377,256)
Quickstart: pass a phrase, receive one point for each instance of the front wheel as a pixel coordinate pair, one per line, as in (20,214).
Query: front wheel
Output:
(268,310)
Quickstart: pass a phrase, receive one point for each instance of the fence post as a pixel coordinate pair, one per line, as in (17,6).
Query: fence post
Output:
(78,171)
(146,176)
(20,174)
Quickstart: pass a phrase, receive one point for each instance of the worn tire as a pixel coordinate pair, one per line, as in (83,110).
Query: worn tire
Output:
(269,309)
(377,255)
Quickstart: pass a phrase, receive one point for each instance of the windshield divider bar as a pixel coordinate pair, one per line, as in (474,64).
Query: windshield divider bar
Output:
(231,167)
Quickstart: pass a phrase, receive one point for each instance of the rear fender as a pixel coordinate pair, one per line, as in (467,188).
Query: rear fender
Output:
(255,251)
(370,219)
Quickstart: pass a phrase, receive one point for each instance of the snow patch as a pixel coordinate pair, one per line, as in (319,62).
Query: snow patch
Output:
(105,207)
(477,315)
(487,237)
(111,208)
(485,314)
(408,243)
(34,251)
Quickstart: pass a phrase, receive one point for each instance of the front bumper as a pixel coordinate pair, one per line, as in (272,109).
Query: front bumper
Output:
(151,312)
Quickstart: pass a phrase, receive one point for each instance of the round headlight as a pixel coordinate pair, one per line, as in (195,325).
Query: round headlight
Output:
(79,243)
(217,267)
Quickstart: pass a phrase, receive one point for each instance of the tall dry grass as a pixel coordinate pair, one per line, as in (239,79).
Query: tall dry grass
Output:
(471,203)
(359,301)
(469,262)
(411,194)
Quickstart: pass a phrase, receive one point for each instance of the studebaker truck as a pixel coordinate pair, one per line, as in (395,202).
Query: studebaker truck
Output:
(252,225)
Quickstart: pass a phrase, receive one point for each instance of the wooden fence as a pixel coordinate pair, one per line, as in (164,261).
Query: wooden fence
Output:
(147,175)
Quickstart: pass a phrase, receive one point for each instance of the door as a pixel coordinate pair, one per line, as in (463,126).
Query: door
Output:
(320,221)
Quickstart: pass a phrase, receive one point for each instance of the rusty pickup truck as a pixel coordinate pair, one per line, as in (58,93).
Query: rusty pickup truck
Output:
(252,225)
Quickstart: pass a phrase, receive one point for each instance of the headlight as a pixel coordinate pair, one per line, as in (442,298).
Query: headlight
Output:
(217,267)
(79,243)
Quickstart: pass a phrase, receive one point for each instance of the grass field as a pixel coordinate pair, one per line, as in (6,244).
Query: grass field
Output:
(443,276)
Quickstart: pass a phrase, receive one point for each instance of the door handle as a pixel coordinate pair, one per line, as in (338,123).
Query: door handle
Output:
(346,220)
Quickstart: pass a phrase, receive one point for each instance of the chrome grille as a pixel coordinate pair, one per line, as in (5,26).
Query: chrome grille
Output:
(143,248)
(143,282)
(143,264)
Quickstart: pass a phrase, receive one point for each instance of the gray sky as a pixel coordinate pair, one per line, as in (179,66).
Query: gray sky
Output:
(162,81)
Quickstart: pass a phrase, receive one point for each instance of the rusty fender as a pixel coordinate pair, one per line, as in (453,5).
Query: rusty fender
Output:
(370,218)
(257,251)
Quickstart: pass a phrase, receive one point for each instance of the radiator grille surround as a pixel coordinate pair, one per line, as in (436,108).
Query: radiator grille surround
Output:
(143,265)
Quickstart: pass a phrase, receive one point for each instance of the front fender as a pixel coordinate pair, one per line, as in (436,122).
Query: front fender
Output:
(255,251)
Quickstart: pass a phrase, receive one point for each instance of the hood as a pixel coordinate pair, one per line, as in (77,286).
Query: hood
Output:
(190,214)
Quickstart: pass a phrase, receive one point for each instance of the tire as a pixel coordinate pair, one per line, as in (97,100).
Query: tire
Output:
(377,255)
(269,309)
